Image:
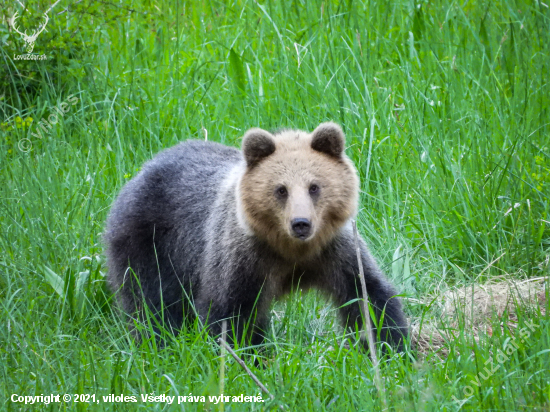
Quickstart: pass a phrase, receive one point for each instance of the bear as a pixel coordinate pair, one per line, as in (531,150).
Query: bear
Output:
(210,231)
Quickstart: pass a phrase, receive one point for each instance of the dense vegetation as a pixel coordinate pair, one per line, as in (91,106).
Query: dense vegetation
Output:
(446,110)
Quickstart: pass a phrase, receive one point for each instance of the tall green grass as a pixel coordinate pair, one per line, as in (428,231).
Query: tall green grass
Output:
(446,110)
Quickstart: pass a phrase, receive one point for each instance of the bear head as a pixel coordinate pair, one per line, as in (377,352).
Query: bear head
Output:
(298,189)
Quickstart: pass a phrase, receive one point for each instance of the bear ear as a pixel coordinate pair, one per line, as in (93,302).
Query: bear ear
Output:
(257,145)
(328,138)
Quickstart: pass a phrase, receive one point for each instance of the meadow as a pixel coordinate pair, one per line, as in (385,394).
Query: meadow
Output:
(446,109)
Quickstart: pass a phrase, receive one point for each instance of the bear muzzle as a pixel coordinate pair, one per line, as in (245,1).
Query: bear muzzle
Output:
(301,228)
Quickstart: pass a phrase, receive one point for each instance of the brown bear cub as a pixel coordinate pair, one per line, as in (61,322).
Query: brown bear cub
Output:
(228,232)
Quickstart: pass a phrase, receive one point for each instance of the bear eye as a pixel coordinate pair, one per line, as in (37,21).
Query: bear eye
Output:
(281,191)
(313,189)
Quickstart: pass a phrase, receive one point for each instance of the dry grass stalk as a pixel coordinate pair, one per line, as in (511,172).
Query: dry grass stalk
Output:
(474,307)
(368,323)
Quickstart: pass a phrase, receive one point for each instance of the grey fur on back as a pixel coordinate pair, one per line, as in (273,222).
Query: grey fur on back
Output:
(176,224)
(157,226)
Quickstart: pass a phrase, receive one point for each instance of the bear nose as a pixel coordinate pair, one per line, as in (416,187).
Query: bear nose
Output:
(301,227)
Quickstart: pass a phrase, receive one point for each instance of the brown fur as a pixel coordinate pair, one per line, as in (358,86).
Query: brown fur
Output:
(296,165)
(206,230)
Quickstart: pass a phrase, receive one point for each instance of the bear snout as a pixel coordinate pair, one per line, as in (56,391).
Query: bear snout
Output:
(301,228)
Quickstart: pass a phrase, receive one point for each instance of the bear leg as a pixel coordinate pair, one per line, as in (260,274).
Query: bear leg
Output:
(344,285)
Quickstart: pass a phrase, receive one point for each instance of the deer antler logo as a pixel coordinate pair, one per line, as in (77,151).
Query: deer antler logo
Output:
(30,39)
